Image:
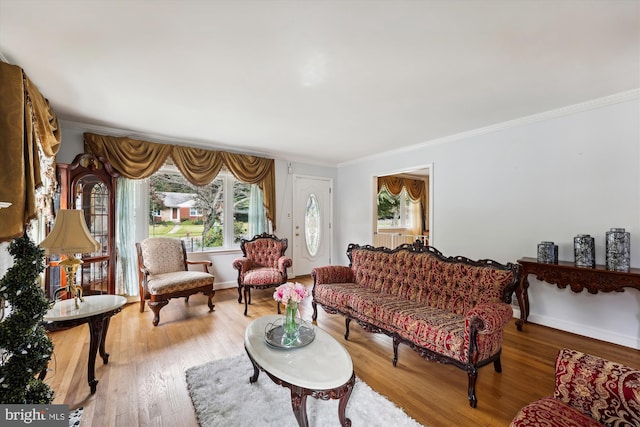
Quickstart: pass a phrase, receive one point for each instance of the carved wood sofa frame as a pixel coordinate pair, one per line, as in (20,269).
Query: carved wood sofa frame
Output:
(476,324)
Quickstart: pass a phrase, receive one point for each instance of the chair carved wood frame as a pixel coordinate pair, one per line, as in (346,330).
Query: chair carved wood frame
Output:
(163,274)
(263,265)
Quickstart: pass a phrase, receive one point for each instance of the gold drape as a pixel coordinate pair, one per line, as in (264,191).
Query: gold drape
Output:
(199,166)
(26,120)
(416,189)
(134,159)
(140,159)
(256,170)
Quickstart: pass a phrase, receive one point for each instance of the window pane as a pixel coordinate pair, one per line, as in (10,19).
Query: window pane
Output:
(388,209)
(210,200)
(182,210)
(312,225)
(241,192)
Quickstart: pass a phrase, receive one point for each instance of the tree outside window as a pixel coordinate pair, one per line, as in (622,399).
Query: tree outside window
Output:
(203,210)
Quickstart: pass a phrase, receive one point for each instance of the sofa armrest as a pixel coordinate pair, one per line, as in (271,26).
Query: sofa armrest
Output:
(242,264)
(607,391)
(332,274)
(204,264)
(284,262)
(489,318)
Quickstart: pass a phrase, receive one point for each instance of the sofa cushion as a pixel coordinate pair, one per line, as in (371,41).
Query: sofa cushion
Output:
(264,252)
(422,277)
(432,328)
(178,281)
(551,412)
(605,390)
(262,276)
(338,294)
(162,255)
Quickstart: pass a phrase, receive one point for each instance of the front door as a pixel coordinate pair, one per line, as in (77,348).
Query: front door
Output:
(312,216)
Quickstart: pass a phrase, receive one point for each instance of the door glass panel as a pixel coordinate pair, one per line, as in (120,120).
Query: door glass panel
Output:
(92,196)
(312,225)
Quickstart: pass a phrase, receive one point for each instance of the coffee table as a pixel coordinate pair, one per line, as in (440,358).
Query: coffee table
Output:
(322,369)
(96,310)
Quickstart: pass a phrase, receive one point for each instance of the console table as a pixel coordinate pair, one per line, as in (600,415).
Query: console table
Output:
(564,274)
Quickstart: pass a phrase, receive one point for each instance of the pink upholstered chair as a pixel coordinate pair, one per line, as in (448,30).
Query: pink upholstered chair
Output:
(263,265)
(164,274)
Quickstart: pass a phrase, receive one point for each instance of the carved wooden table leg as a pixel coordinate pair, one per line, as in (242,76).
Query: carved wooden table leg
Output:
(299,405)
(98,330)
(96,311)
(522,293)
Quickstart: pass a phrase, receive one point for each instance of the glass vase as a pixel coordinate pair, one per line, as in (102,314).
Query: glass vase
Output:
(290,325)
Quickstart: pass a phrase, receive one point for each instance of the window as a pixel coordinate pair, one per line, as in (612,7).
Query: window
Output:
(394,211)
(213,216)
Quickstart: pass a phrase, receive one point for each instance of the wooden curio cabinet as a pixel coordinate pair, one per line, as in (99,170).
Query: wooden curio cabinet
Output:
(89,183)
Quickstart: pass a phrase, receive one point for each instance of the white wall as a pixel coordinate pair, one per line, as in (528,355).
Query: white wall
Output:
(497,194)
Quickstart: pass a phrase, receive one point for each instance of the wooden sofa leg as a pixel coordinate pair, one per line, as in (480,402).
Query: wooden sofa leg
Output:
(142,305)
(246,300)
(209,302)
(497,365)
(346,324)
(472,372)
(156,306)
(239,294)
(314,316)
(396,342)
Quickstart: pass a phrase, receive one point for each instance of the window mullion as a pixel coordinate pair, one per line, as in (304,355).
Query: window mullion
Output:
(228,211)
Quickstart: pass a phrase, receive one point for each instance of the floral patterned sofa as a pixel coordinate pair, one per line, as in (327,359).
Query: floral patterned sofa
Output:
(589,391)
(448,309)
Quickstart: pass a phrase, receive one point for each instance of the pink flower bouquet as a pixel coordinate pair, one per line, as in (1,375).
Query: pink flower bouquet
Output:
(290,292)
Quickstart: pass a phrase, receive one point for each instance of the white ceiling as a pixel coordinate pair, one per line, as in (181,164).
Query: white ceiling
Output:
(321,81)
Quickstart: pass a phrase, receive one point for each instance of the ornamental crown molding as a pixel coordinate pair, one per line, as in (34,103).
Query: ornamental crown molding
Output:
(534,118)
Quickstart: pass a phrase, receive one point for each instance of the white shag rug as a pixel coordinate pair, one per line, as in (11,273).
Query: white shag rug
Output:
(222,396)
(75,417)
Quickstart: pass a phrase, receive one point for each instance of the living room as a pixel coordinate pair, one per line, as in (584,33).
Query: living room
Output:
(532,170)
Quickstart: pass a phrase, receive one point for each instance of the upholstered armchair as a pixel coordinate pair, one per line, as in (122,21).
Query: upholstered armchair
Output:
(164,274)
(262,265)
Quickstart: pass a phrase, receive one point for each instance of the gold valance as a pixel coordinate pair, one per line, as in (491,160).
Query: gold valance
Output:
(416,189)
(137,159)
(27,124)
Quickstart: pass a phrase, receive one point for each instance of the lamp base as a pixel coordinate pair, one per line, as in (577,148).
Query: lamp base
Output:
(70,266)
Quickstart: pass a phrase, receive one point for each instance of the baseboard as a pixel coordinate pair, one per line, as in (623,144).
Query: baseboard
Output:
(225,285)
(580,329)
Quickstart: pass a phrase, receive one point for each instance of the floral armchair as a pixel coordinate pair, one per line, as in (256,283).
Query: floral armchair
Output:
(589,391)
(164,274)
(263,265)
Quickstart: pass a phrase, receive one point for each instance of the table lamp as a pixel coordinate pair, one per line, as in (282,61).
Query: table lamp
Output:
(70,236)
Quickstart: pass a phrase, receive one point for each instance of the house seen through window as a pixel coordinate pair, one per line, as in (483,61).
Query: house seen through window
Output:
(206,217)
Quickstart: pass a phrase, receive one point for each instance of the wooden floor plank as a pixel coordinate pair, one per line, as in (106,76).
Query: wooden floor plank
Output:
(144,381)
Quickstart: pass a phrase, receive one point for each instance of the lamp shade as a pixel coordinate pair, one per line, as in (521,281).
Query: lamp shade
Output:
(70,235)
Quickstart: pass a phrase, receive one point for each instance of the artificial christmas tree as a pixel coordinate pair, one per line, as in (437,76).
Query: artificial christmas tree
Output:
(25,348)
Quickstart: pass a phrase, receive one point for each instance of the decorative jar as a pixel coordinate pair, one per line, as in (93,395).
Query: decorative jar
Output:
(584,250)
(547,252)
(618,244)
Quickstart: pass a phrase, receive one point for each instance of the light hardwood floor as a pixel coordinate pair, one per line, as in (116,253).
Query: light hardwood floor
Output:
(144,382)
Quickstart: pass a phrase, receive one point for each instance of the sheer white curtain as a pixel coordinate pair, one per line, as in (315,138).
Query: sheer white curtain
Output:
(256,211)
(128,191)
